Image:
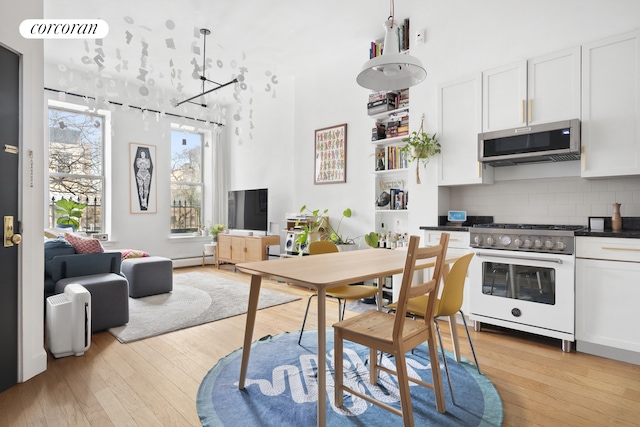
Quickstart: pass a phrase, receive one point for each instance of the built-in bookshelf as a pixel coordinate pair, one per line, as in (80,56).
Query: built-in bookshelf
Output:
(377,47)
(390,112)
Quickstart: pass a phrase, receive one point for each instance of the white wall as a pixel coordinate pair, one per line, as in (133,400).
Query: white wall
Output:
(565,200)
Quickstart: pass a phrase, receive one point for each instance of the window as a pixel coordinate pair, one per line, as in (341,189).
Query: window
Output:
(186,181)
(76,164)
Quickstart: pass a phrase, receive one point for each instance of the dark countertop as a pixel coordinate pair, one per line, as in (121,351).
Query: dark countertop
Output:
(630,229)
(471,220)
(623,234)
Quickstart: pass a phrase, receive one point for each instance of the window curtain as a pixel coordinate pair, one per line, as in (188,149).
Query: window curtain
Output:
(221,178)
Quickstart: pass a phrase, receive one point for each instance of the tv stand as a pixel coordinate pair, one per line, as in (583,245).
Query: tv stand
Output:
(232,248)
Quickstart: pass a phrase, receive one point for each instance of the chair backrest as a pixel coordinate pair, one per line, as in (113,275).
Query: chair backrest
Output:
(322,247)
(450,300)
(407,290)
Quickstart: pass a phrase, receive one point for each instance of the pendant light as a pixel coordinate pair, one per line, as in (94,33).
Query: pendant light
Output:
(392,70)
(205,32)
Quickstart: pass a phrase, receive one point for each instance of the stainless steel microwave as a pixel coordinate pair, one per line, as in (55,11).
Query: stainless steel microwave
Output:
(550,142)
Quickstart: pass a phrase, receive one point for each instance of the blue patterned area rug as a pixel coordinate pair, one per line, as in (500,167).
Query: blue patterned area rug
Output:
(281,389)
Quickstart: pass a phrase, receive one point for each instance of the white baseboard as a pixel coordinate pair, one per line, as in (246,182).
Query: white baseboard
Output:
(187,262)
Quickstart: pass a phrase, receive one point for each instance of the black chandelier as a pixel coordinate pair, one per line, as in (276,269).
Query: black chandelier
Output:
(204,80)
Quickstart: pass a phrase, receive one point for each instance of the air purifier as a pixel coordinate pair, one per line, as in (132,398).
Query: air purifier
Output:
(68,321)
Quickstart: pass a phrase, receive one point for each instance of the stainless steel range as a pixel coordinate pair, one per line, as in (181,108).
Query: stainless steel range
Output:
(523,277)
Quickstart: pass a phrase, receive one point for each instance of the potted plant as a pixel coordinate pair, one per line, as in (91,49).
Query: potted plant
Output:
(214,230)
(420,146)
(313,230)
(70,213)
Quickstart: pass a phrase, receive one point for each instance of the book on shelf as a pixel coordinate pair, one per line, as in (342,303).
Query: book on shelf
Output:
(403,32)
(394,157)
(378,132)
(398,199)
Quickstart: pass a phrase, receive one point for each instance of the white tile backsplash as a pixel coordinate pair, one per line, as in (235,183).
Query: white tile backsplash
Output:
(567,200)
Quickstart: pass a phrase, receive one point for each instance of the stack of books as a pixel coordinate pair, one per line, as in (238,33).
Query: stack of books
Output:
(398,124)
(379,102)
(403,100)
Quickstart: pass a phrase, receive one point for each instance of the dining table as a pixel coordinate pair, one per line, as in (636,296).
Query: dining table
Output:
(322,272)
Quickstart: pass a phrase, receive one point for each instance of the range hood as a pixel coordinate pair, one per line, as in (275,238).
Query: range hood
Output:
(549,142)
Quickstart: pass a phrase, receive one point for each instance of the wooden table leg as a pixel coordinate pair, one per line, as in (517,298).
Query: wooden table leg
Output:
(254,294)
(322,358)
(380,281)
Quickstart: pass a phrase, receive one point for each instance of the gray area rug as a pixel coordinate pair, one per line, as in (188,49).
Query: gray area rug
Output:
(196,298)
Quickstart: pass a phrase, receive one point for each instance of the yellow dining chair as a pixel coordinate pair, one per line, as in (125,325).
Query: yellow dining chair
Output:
(396,334)
(449,303)
(341,293)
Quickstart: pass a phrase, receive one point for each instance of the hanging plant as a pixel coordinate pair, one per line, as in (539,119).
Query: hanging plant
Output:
(420,147)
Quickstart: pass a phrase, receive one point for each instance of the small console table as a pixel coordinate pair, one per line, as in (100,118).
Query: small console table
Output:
(233,248)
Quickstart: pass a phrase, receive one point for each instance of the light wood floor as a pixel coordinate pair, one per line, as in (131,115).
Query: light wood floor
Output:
(154,382)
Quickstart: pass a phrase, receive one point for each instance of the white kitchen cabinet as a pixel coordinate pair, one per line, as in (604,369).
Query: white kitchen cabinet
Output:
(611,106)
(460,108)
(607,295)
(540,90)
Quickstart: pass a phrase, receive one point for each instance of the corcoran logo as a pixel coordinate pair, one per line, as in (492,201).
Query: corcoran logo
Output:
(64,29)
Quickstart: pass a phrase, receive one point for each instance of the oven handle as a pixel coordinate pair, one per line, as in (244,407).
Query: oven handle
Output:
(554,260)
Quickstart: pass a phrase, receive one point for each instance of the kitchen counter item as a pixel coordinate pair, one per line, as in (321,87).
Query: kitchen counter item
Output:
(616,219)
(630,229)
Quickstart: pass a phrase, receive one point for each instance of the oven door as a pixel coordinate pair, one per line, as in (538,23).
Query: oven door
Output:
(532,292)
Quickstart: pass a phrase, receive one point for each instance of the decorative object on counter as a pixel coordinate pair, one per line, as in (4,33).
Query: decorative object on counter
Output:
(420,146)
(596,224)
(616,219)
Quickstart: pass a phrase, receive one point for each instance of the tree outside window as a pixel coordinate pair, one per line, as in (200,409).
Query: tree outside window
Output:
(76,172)
(186,182)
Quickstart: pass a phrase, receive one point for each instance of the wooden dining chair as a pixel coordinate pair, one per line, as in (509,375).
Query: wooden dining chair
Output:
(397,334)
(448,304)
(341,293)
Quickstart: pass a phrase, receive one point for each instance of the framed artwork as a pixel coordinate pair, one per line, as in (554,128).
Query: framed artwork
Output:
(331,155)
(142,182)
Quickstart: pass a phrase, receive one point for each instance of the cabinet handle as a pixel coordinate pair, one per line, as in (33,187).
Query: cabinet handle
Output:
(530,110)
(606,248)
(583,161)
(522,111)
(479,170)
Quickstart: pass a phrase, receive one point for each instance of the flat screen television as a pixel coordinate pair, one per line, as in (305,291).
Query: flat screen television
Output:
(248,209)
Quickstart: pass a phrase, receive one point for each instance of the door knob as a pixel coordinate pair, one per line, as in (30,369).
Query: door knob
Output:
(10,238)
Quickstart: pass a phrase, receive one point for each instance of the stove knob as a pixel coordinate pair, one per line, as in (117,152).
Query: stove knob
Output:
(548,244)
(527,243)
(537,244)
(561,246)
(477,240)
(491,241)
(518,242)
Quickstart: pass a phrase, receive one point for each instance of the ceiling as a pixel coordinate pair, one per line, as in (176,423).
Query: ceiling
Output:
(157,42)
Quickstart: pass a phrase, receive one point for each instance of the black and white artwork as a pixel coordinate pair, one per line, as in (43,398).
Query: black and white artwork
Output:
(143,185)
